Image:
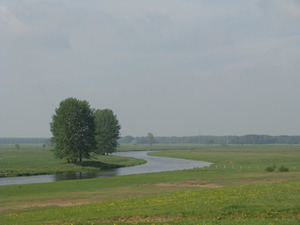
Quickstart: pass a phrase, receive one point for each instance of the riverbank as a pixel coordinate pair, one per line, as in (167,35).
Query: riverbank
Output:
(153,164)
(31,160)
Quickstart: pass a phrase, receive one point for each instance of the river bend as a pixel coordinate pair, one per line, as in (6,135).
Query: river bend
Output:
(153,164)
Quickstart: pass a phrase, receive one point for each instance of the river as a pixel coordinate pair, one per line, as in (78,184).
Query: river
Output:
(154,164)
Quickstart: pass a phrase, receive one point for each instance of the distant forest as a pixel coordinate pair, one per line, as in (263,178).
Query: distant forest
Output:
(11,141)
(208,140)
(221,140)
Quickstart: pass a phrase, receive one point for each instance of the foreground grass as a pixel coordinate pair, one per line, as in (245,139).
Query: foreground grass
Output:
(244,203)
(235,190)
(30,160)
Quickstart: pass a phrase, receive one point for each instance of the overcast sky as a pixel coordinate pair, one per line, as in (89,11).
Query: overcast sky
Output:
(170,67)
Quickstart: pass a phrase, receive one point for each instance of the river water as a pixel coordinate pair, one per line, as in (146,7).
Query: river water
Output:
(154,164)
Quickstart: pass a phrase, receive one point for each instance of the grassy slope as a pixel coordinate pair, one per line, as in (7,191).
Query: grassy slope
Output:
(169,197)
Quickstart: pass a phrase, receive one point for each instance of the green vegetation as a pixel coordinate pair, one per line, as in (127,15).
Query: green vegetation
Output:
(283,169)
(270,168)
(107,131)
(32,160)
(235,190)
(73,130)
(79,131)
(252,139)
(251,204)
(150,138)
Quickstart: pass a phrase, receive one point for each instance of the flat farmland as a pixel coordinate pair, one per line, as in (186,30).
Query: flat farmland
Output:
(237,189)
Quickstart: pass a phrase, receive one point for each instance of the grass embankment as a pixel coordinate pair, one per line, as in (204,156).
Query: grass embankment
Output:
(32,160)
(235,190)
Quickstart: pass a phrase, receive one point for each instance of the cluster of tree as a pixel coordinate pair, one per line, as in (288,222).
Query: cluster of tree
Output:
(79,131)
(223,140)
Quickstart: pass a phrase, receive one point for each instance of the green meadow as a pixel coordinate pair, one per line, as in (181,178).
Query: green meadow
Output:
(237,189)
(35,160)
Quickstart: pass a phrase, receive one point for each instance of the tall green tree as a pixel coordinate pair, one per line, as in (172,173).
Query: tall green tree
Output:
(107,131)
(73,130)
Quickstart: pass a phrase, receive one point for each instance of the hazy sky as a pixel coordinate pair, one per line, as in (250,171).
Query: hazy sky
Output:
(170,67)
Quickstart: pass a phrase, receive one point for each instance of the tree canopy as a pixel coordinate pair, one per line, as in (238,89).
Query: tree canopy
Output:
(79,131)
(107,131)
(73,130)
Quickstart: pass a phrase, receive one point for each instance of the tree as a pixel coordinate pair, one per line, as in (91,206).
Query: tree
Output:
(73,130)
(210,142)
(126,140)
(150,138)
(107,131)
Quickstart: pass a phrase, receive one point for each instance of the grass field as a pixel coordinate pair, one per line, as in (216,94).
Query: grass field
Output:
(237,189)
(32,160)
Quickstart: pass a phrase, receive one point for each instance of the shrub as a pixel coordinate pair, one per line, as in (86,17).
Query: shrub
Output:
(283,169)
(270,169)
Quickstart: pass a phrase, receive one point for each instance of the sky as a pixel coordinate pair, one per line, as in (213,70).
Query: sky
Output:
(170,67)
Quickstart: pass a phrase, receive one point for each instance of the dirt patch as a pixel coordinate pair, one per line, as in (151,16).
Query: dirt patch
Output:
(10,214)
(46,204)
(264,180)
(189,184)
(61,203)
(139,219)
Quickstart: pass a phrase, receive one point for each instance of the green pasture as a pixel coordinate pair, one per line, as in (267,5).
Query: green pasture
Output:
(36,160)
(236,189)
(232,163)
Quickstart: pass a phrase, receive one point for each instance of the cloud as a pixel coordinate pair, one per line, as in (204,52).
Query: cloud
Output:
(224,66)
(283,8)
(10,22)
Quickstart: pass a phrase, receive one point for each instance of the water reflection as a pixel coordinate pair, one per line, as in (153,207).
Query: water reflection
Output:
(154,164)
(74,175)
(85,175)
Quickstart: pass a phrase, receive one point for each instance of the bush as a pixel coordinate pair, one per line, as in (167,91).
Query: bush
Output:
(283,169)
(270,169)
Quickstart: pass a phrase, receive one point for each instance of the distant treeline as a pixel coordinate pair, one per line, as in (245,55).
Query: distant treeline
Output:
(209,140)
(223,140)
(9,141)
